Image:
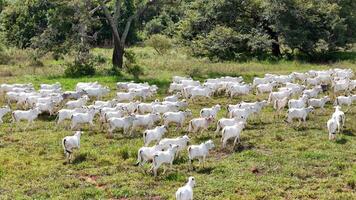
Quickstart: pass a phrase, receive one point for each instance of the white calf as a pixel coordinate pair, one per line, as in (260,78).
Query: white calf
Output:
(145,154)
(154,134)
(340,117)
(201,124)
(163,157)
(145,121)
(124,123)
(344,100)
(232,132)
(186,192)
(28,115)
(299,113)
(70,143)
(265,87)
(241,113)
(83,118)
(125,96)
(332,126)
(181,141)
(176,117)
(77,103)
(318,103)
(228,122)
(157,108)
(210,112)
(298,103)
(199,151)
(64,114)
(312,93)
(173,98)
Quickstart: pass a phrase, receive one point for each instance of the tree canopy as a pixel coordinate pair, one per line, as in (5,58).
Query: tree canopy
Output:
(219,29)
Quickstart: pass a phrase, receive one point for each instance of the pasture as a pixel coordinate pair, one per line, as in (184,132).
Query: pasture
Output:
(275,160)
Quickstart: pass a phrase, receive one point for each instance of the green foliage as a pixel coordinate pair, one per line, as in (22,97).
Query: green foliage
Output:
(312,27)
(100,59)
(4,57)
(161,43)
(35,61)
(23,20)
(84,66)
(131,66)
(124,153)
(263,28)
(164,21)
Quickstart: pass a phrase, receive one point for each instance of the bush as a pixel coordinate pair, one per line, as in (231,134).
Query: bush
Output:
(160,43)
(135,70)
(195,72)
(100,59)
(35,59)
(131,66)
(222,43)
(4,57)
(80,68)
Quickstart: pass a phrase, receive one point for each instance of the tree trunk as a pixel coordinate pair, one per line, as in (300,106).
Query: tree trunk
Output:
(275,48)
(118,55)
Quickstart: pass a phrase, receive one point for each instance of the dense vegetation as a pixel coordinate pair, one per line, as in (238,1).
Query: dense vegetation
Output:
(236,30)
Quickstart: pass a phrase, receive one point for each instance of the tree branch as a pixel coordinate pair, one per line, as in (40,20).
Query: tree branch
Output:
(117,12)
(110,20)
(97,8)
(139,12)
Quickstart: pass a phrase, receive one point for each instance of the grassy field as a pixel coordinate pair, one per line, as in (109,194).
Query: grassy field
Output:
(292,162)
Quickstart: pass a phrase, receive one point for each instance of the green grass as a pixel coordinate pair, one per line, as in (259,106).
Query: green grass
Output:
(293,162)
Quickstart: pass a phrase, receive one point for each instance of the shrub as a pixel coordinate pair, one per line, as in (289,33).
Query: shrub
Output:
(100,59)
(135,70)
(131,66)
(222,43)
(160,43)
(35,59)
(195,72)
(4,57)
(80,68)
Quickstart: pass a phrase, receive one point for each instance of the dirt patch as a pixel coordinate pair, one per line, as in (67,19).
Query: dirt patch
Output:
(92,179)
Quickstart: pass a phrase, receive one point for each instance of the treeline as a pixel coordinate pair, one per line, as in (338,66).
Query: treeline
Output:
(218,29)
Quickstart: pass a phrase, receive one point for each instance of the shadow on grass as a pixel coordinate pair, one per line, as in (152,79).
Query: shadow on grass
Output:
(348,133)
(175,176)
(243,147)
(341,141)
(47,117)
(180,160)
(80,158)
(205,170)
(205,137)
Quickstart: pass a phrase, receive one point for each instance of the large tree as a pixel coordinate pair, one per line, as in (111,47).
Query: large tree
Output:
(119,40)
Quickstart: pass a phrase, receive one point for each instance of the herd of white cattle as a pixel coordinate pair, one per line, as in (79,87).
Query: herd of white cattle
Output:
(300,92)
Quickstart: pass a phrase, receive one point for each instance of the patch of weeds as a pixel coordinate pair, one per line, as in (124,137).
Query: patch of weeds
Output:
(176,176)
(124,152)
(91,193)
(123,192)
(205,170)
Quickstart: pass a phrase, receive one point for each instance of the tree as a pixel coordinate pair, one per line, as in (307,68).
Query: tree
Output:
(119,40)
(235,29)
(23,20)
